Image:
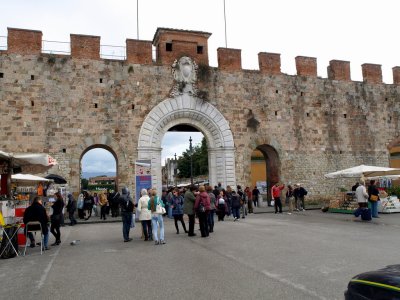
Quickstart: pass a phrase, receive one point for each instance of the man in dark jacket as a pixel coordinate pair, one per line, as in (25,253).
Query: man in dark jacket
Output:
(71,207)
(127,209)
(299,192)
(188,208)
(36,212)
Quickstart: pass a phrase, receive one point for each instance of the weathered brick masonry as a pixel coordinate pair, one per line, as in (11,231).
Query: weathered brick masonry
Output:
(67,104)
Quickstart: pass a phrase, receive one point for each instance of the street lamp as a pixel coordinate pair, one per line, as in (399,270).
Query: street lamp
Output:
(175,170)
(191,160)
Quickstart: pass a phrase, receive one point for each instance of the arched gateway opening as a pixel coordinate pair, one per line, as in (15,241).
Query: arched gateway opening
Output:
(189,110)
(99,165)
(265,166)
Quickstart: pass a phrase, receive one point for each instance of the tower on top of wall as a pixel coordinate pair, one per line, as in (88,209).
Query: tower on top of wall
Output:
(172,44)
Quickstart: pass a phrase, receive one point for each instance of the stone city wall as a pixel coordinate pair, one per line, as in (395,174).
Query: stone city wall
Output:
(65,105)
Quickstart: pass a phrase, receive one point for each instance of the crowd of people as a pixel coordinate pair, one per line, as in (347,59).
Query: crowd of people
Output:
(204,203)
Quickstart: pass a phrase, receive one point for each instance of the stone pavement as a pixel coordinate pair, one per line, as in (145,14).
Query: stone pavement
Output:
(307,255)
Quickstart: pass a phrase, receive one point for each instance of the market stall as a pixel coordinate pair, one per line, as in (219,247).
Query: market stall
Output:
(346,202)
(16,191)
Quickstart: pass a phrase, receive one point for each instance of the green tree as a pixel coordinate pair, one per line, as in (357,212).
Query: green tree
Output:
(200,161)
(84,183)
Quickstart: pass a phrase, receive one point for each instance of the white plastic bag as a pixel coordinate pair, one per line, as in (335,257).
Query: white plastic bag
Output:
(133,221)
(272,202)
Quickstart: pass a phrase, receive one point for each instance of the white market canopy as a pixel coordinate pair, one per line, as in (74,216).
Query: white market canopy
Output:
(29,162)
(27,177)
(363,171)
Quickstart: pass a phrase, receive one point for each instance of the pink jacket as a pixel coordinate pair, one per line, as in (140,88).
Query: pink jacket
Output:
(205,198)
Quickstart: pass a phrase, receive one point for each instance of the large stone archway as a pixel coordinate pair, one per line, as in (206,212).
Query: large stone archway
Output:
(186,109)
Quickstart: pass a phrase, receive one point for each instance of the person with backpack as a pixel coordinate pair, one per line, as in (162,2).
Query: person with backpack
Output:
(235,204)
(127,209)
(202,207)
(177,209)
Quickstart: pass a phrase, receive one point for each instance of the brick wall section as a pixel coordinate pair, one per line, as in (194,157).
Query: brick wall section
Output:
(23,41)
(269,63)
(396,75)
(229,59)
(139,52)
(184,43)
(85,46)
(372,73)
(339,70)
(306,66)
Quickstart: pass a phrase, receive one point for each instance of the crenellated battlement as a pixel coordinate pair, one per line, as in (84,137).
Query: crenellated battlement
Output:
(173,43)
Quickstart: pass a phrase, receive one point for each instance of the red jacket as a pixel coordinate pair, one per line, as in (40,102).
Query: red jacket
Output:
(276,191)
(205,198)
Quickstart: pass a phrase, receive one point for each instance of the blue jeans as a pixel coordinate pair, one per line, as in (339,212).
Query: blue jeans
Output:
(236,212)
(210,220)
(126,224)
(374,208)
(45,238)
(157,221)
(170,212)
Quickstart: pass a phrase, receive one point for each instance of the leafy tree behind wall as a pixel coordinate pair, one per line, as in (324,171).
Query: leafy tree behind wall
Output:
(200,161)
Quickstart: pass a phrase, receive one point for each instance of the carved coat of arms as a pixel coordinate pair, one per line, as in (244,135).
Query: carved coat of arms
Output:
(184,71)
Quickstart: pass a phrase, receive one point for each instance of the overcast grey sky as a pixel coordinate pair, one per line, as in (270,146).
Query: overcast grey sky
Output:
(356,31)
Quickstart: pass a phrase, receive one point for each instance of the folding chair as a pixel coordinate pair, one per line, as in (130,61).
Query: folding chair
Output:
(33,227)
(9,238)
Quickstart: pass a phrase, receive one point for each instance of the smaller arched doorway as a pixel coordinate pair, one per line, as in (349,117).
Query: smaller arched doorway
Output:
(98,168)
(265,167)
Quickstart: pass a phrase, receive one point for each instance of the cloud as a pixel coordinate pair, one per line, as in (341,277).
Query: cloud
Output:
(98,160)
(178,142)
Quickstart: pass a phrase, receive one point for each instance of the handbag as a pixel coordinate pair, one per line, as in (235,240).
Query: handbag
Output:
(373,198)
(55,218)
(201,208)
(160,209)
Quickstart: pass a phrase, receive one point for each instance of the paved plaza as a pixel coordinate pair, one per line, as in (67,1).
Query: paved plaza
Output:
(308,255)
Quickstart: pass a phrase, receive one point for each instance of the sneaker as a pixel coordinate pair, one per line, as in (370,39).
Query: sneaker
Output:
(156,243)
(234,219)
(303,209)
(32,245)
(162,242)
(289,213)
(46,248)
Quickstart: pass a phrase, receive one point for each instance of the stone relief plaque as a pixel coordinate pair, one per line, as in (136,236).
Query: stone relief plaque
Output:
(184,71)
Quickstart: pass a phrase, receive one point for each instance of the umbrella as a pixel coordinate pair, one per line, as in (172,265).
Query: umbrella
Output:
(363,171)
(27,177)
(56,178)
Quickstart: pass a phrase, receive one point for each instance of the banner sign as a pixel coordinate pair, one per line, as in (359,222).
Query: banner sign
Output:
(143,176)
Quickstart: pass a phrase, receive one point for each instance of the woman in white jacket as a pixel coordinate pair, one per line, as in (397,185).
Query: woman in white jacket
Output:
(145,215)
